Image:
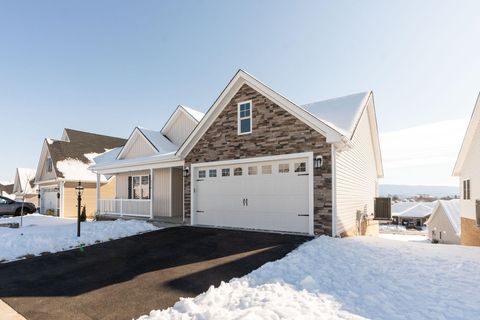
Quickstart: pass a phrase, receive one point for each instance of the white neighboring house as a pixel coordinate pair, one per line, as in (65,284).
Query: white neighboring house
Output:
(24,185)
(467,169)
(444,223)
(148,172)
(412,212)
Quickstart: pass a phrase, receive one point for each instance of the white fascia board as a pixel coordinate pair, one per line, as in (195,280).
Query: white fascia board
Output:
(241,78)
(372,119)
(136,166)
(132,139)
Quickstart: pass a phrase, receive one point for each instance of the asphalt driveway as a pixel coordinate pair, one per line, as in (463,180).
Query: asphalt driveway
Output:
(126,278)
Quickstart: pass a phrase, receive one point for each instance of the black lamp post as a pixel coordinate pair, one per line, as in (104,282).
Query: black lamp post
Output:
(79,190)
(38,196)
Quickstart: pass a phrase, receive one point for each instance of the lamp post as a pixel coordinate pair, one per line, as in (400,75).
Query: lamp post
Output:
(79,190)
(38,197)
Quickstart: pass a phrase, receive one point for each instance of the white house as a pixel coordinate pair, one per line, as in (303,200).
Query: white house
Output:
(24,185)
(444,223)
(466,168)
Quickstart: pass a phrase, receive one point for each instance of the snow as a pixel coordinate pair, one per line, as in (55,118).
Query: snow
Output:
(452,211)
(341,113)
(161,143)
(405,237)
(25,175)
(194,113)
(52,234)
(413,209)
(108,156)
(350,278)
(74,169)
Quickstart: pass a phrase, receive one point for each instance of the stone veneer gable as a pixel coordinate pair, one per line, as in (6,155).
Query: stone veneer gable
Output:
(274,132)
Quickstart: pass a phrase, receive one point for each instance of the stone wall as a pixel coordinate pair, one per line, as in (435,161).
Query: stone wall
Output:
(275,132)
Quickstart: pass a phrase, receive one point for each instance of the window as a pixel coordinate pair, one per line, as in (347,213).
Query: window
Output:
(201,173)
(267,169)
(245,117)
(237,172)
(300,167)
(212,173)
(226,172)
(252,171)
(466,189)
(49,165)
(141,187)
(283,168)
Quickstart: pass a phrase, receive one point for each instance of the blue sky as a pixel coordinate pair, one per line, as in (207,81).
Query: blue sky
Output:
(107,66)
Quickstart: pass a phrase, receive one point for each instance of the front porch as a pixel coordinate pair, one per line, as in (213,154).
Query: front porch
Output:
(137,208)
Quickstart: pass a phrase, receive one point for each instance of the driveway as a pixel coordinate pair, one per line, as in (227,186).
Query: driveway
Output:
(126,278)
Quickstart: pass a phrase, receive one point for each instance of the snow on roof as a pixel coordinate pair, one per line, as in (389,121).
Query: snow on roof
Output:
(159,141)
(341,113)
(74,169)
(194,113)
(452,211)
(26,176)
(107,156)
(413,209)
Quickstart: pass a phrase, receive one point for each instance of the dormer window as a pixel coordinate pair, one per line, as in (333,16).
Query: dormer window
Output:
(245,117)
(49,165)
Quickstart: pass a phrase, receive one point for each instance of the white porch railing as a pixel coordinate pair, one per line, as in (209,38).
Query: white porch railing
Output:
(125,207)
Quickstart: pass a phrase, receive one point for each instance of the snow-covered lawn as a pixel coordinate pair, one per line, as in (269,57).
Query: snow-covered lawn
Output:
(351,278)
(41,234)
(405,237)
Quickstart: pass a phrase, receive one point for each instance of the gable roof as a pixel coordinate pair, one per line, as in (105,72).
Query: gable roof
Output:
(7,188)
(472,128)
(80,148)
(451,208)
(336,119)
(24,181)
(412,209)
(159,143)
(194,115)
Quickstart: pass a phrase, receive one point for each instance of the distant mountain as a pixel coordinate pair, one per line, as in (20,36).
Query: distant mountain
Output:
(409,191)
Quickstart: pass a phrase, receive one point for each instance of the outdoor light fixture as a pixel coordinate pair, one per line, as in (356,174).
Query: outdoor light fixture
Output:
(79,190)
(317,162)
(186,172)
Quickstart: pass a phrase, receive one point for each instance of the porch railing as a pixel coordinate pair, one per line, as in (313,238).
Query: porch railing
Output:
(125,207)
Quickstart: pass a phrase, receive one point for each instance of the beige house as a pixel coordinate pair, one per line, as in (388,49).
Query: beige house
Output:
(148,173)
(466,168)
(24,186)
(444,223)
(64,163)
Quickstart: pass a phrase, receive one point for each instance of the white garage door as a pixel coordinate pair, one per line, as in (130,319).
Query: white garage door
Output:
(267,195)
(48,200)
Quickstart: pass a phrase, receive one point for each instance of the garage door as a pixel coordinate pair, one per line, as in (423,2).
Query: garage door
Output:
(48,200)
(265,195)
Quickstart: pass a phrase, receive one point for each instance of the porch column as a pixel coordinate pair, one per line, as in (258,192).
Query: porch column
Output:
(151,193)
(98,193)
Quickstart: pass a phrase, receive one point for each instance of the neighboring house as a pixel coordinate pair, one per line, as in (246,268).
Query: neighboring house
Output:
(63,163)
(24,186)
(466,168)
(149,174)
(444,223)
(412,212)
(6,190)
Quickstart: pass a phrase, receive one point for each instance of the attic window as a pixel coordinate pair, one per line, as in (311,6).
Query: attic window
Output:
(245,117)
(49,165)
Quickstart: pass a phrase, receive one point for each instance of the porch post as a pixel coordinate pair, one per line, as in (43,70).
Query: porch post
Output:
(98,193)
(151,193)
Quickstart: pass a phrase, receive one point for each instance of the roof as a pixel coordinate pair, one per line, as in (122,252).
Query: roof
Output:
(7,188)
(451,208)
(82,147)
(412,209)
(26,179)
(468,139)
(194,115)
(197,115)
(158,140)
(340,113)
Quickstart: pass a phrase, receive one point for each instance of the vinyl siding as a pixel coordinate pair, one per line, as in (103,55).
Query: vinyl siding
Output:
(356,178)
(180,129)
(70,199)
(440,222)
(44,175)
(470,171)
(177,192)
(162,193)
(122,182)
(138,147)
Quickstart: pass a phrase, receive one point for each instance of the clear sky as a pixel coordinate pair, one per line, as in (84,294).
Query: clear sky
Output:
(107,66)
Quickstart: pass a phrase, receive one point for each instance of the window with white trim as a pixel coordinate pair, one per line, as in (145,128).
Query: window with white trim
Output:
(212,173)
(466,189)
(141,187)
(245,117)
(237,171)
(226,172)
(202,173)
(300,167)
(49,165)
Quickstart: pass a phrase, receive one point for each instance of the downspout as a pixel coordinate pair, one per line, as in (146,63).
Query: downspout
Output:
(334,191)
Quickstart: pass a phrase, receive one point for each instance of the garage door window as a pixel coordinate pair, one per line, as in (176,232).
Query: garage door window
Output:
(201,173)
(267,169)
(212,173)
(283,168)
(226,172)
(301,167)
(252,171)
(237,172)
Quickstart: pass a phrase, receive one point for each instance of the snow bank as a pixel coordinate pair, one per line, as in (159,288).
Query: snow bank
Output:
(348,278)
(51,234)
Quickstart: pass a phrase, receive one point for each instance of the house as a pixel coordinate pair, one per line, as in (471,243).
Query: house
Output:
(466,168)
(412,212)
(6,190)
(444,223)
(24,186)
(64,163)
(257,160)
(148,172)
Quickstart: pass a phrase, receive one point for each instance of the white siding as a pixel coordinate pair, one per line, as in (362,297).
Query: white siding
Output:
(162,193)
(470,171)
(138,147)
(44,175)
(356,177)
(177,192)
(441,223)
(180,129)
